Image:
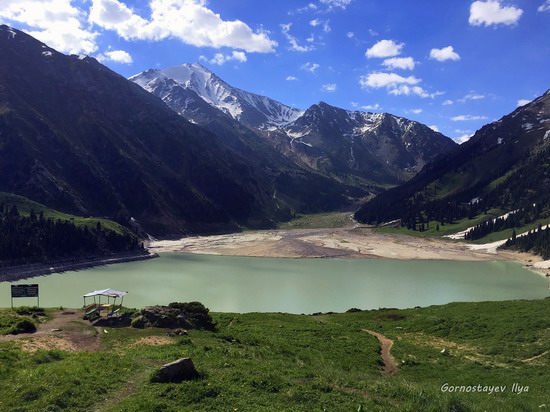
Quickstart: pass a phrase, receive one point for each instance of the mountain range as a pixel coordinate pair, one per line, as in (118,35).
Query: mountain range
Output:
(365,149)
(505,165)
(182,151)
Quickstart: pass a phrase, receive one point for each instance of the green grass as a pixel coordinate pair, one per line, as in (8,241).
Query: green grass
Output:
(10,318)
(449,183)
(444,230)
(25,205)
(282,362)
(319,221)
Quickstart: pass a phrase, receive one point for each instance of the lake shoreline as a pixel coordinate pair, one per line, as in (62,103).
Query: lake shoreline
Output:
(351,242)
(28,271)
(345,243)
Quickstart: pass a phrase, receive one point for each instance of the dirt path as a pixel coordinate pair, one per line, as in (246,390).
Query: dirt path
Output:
(66,331)
(390,366)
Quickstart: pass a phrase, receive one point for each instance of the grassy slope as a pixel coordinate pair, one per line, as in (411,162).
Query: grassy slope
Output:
(319,221)
(276,362)
(25,205)
(447,229)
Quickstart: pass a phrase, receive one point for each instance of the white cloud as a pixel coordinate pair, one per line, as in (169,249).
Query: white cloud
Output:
(471,96)
(404,63)
(315,22)
(544,6)
(308,7)
(375,106)
(117,56)
(396,84)
(492,12)
(384,48)
(467,117)
(373,33)
(434,128)
(293,41)
(291,78)
(329,88)
(310,67)
(408,90)
(474,96)
(342,4)
(350,35)
(220,58)
(446,53)
(447,102)
(416,111)
(377,80)
(187,20)
(523,102)
(55,22)
(462,139)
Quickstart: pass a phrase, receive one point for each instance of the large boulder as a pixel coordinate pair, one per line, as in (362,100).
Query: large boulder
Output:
(188,315)
(177,371)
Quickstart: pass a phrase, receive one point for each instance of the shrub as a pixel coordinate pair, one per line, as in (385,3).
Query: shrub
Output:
(23,326)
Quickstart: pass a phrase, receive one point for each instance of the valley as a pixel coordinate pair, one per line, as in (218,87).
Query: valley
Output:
(323,210)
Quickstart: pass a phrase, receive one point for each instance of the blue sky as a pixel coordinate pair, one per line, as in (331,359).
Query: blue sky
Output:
(453,65)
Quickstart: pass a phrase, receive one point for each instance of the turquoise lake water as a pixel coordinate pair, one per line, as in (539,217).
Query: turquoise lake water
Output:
(246,284)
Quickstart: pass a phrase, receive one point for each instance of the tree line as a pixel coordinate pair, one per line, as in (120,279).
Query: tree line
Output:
(535,241)
(515,219)
(35,238)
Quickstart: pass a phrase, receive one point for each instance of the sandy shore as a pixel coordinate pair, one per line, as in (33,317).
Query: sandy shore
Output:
(355,242)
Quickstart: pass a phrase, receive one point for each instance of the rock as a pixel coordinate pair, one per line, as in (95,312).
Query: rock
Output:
(177,371)
(177,332)
(55,330)
(192,315)
(138,322)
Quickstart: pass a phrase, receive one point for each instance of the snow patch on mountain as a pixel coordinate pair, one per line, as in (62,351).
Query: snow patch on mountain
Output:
(258,111)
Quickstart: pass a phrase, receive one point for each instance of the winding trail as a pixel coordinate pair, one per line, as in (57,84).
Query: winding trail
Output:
(390,365)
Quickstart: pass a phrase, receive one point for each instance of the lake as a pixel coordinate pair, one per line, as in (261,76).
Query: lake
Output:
(246,284)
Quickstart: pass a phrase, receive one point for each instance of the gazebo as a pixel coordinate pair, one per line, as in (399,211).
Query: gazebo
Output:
(92,310)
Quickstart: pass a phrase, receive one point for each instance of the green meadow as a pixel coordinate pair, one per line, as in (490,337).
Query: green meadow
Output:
(283,362)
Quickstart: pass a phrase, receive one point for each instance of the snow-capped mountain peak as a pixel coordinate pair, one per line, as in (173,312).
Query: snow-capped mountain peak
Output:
(253,110)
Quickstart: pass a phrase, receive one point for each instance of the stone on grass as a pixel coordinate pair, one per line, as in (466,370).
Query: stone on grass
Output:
(177,371)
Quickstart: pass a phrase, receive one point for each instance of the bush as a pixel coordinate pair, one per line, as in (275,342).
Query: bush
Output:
(197,314)
(23,326)
(29,311)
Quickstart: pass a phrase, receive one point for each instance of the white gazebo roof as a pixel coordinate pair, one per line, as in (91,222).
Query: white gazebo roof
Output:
(106,292)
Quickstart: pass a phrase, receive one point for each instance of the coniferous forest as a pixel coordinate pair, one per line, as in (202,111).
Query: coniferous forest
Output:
(536,242)
(34,238)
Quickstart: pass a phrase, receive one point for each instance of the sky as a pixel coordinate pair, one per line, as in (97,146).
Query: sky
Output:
(453,65)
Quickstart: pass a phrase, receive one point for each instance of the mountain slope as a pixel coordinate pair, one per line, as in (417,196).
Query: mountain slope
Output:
(78,137)
(377,146)
(255,111)
(292,183)
(365,149)
(505,164)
